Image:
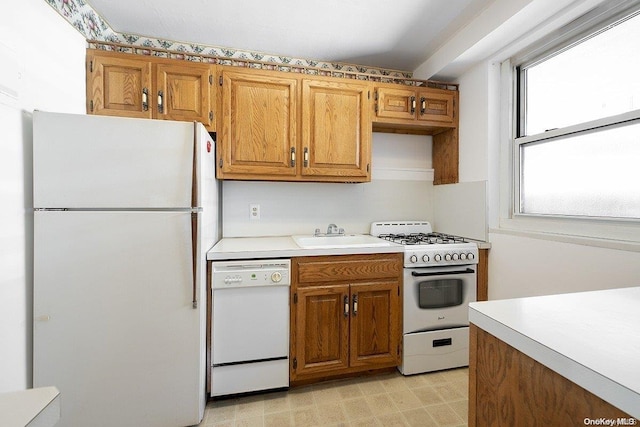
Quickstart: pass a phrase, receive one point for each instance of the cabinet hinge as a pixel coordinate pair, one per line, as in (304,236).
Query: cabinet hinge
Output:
(210,79)
(210,115)
(398,290)
(91,106)
(368,94)
(220,163)
(295,363)
(295,298)
(220,80)
(91,66)
(375,96)
(368,167)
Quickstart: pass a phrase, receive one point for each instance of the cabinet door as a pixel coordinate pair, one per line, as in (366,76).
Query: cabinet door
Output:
(436,106)
(375,324)
(258,124)
(336,132)
(183,93)
(396,103)
(118,86)
(322,330)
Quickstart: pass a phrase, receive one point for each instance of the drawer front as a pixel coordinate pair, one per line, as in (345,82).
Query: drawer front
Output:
(346,268)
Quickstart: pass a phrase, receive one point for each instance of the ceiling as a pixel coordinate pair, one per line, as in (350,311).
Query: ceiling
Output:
(392,34)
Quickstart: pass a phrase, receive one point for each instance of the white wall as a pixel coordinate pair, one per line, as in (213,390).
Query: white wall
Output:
(42,67)
(522,264)
(401,188)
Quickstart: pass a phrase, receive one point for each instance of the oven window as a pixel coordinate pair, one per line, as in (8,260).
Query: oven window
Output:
(440,293)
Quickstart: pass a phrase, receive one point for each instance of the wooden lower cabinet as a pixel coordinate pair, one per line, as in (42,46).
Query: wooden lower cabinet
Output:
(508,388)
(346,315)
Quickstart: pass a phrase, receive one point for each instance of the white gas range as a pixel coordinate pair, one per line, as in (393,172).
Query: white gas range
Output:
(439,282)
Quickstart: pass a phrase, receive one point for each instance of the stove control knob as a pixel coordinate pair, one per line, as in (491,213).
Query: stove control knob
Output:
(425,258)
(463,256)
(413,258)
(455,257)
(437,258)
(447,257)
(470,256)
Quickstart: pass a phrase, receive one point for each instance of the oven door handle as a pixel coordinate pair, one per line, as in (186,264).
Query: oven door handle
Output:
(443,273)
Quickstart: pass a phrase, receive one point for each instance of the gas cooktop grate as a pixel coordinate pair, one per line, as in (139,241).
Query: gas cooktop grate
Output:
(423,238)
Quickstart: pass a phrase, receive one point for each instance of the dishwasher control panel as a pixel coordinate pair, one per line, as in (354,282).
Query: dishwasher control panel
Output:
(230,274)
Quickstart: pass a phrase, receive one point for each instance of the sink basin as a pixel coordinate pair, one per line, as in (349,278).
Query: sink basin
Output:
(342,241)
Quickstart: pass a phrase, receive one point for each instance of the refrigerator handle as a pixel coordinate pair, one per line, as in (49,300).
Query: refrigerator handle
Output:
(194,214)
(194,256)
(194,168)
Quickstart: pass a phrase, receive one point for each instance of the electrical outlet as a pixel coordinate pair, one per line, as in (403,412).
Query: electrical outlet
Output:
(254,212)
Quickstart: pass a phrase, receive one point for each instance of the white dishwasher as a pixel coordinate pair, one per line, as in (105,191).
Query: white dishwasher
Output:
(249,325)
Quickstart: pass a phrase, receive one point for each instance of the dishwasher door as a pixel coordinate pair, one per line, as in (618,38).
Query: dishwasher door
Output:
(250,324)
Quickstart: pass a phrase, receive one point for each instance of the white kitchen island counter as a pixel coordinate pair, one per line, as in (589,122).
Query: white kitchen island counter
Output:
(284,247)
(590,338)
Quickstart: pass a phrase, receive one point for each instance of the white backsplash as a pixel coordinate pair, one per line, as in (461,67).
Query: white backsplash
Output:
(461,209)
(401,188)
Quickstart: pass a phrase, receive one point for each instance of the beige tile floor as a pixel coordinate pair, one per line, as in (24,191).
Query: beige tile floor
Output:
(432,399)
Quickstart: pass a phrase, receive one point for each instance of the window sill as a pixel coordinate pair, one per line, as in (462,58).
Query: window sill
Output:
(617,235)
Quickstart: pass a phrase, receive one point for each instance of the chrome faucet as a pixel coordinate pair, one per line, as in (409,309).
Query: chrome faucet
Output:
(332,230)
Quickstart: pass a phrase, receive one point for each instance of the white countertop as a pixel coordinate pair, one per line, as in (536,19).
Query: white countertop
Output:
(284,247)
(37,406)
(590,338)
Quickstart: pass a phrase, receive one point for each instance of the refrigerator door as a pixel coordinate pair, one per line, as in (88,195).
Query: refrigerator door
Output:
(114,324)
(111,162)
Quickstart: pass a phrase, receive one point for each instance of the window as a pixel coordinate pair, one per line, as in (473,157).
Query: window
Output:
(577,141)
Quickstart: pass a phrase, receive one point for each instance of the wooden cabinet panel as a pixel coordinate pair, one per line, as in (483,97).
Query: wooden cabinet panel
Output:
(375,329)
(331,269)
(183,92)
(482,289)
(346,314)
(322,329)
(436,106)
(508,388)
(118,86)
(336,132)
(396,103)
(258,124)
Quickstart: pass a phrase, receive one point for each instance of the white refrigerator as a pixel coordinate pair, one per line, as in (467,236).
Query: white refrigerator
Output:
(124,213)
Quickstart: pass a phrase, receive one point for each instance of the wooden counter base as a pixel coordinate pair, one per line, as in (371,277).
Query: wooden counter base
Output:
(508,388)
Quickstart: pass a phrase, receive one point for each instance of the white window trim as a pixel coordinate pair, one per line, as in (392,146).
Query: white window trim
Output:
(613,233)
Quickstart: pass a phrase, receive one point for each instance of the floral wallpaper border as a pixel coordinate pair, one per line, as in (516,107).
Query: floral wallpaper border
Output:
(91,25)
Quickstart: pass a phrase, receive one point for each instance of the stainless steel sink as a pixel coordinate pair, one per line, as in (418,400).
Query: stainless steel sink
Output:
(340,241)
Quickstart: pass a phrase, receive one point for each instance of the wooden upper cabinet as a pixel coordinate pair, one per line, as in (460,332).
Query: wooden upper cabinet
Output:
(119,86)
(436,105)
(336,130)
(418,107)
(396,103)
(183,92)
(258,135)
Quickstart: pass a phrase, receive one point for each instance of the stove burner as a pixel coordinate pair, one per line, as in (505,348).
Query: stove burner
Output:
(422,238)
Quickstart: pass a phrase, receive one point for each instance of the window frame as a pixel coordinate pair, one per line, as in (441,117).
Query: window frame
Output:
(620,233)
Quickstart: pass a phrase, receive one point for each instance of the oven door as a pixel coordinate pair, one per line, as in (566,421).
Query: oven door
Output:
(438,297)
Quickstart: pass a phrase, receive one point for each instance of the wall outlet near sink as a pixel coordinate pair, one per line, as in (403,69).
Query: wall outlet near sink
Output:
(254,212)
